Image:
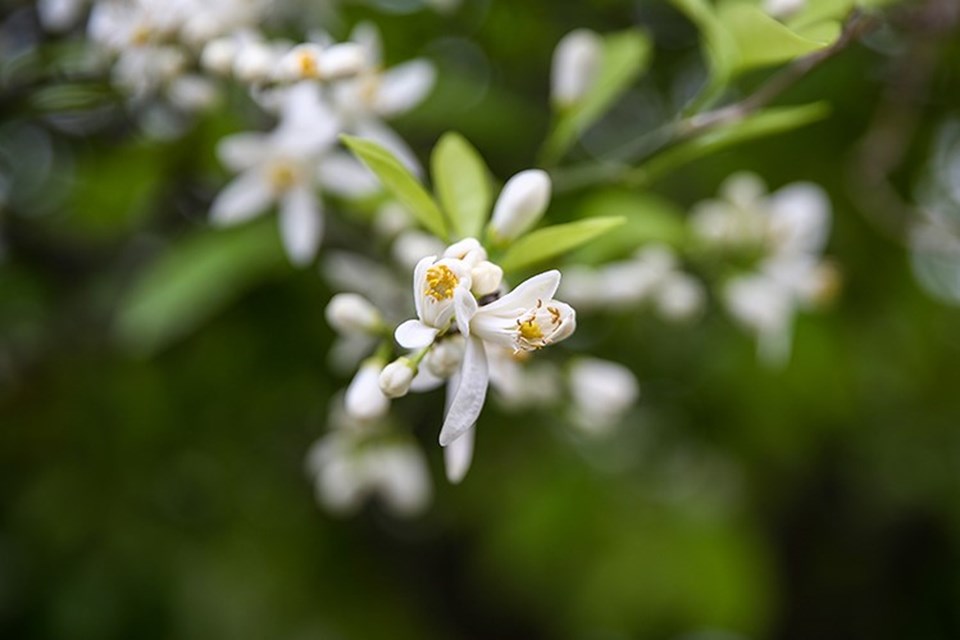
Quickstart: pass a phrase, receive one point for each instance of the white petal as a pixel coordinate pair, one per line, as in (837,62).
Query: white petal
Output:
(465,307)
(363,399)
(389,140)
(540,287)
(367,36)
(345,176)
(800,217)
(301,225)
(471,393)
(413,334)
(419,279)
(242,199)
(403,87)
(425,380)
(458,456)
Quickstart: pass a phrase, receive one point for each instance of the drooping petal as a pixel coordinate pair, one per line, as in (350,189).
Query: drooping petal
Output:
(345,176)
(540,287)
(413,334)
(470,395)
(459,455)
(403,87)
(301,225)
(241,200)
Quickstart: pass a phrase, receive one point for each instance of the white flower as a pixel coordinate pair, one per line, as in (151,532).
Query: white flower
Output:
(441,291)
(364,399)
(680,297)
(396,377)
(60,15)
(350,313)
(311,61)
(525,319)
(349,466)
(602,392)
(576,64)
(521,203)
(286,167)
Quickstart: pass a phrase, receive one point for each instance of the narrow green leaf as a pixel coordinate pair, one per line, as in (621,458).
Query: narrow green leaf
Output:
(194,280)
(550,241)
(625,56)
(461,180)
(402,184)
(766,123)
(761,40)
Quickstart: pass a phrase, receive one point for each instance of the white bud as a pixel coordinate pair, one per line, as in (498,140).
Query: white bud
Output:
(576,64)
(444,359)
(219,55)
(254,62)
(602,392)
(342,60)
(469,250)
(364,400)
(521,203)
(486,278)
(351,313)
(396,377)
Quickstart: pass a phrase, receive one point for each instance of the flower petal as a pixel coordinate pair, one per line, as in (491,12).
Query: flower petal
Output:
(465,307)
(470,395)
(403,87)
(413,334)
(345,176)
(389,140)
(241,200)
(458,456)
(540,287)
(243,150)
(301,225)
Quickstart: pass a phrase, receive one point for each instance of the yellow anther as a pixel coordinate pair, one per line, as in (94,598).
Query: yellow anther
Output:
(441,281)
(308,65)
(529,329)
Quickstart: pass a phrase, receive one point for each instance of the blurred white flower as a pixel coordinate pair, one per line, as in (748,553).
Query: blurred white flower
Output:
(602,392)
(576,65)
(350,313)
(364,399)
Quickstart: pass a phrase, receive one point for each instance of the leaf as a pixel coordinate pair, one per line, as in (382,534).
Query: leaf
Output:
(760,39)
(649,219)
(194,280)
(550,241)
(720,48)
(460,178)
(402,184)
(625,55)
(768,122)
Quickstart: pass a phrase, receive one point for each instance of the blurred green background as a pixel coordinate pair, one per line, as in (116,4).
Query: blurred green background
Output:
(160,493)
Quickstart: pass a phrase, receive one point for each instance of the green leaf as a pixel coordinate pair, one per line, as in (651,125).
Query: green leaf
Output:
(550,241)
(194,280)
(760,39)
(719,45)
(765,123)
(625,56)
(649,219)
(402,184)
(460,178)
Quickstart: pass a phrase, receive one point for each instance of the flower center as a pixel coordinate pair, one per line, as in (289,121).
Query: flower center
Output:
(529,329)
(282,176)
(308,65)
(441,281)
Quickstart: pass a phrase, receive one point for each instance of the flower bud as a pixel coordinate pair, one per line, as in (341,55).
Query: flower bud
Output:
(396,377)
(469,250)
(351,313)
(364,400)
(486,278)
(576,63)
(521,204)
(444,359)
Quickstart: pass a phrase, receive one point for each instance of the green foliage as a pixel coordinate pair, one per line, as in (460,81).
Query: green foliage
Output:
(461,180)
(547,242)
(626,55)
(402,184)
(192,281)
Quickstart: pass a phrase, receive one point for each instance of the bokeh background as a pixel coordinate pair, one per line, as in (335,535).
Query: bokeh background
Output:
(161,492)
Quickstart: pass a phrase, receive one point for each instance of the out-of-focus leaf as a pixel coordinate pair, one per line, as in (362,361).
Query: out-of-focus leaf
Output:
(648,219)
(720,47)
(760,39)
(461,180)
(194,280)
(625,56)
(550,241)
(765,123)
(400,182)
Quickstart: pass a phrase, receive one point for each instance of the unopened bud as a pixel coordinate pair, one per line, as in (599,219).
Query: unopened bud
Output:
(485,278)
(396,377)
(444,359)
(469,250)
(364,400)
(576,63)
(521,204)
(351,313)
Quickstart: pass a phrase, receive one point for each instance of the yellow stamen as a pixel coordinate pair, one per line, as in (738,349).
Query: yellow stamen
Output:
(308,65)
(529,329)
(441,281)
(282,177)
